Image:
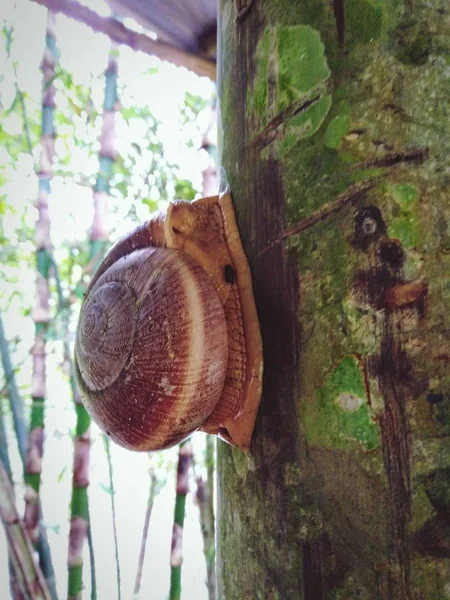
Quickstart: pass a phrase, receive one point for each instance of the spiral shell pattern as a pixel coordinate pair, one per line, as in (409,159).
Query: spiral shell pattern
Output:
(151,349)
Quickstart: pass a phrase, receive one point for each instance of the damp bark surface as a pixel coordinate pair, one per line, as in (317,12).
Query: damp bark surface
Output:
(335,141)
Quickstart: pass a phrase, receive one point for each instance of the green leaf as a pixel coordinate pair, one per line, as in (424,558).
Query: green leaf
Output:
(55,528)
(152,204)
(106,488)
(122,188)
(61,475)
(184,190)
(137,148)
(302,64)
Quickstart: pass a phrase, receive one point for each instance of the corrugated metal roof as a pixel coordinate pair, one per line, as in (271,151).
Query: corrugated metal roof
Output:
(185,24)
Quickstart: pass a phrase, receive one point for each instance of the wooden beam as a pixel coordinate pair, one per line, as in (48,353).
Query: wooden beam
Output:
(120,34)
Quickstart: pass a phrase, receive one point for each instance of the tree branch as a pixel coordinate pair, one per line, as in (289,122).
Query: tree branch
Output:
(28,574)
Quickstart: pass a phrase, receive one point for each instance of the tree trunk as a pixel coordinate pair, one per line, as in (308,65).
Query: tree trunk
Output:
(335,143)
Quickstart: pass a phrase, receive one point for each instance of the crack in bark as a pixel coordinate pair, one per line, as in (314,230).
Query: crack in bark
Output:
(339,17)
(352,194)
(243,7)
(274,129)
(418,155)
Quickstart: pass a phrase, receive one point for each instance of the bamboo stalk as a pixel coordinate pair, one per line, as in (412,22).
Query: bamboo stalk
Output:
(4,455)
(113,510)
(148,512)
(120,34)
(16,401)
(80,477)
(15,398)
(92,559)
(182,488)
(79,522)
(45,559)
(28,575)
(79,507)
(205,525)
(16,404)
(205,501)
(4,460)
(99,232)
(41,314)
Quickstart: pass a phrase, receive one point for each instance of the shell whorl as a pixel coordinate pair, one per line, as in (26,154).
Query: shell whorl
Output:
(151,349)
(106,334)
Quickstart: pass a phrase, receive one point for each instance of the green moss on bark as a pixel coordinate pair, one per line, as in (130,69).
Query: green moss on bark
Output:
(339,415)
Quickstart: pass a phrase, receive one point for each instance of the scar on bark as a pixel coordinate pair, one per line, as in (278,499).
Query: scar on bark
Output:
(339,17)
(394,158)
(352,194)
(354,134)
(405,294)
(273,129)
(398,111)
(383,286)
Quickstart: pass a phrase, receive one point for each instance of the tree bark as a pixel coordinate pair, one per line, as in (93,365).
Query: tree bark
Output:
(335,140)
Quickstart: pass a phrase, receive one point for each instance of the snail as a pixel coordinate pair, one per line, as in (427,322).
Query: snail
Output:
(168,339)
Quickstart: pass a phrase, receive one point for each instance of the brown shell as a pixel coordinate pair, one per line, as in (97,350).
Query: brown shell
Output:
(151,348)
(207,231)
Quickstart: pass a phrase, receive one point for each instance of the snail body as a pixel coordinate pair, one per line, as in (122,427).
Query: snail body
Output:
(168,338)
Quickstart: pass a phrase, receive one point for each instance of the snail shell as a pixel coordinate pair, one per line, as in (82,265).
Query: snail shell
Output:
(168,338)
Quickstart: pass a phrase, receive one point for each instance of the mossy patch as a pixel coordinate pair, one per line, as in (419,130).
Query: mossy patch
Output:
(361,174)
(312,174)
(437,487)
(291,70)
(441,414)
(302,65)
(405,195)
(429,454)
(315,13)
(328,423)
(257,98)
(413,42)
(338,127)
(422,509)
(363,20)
(359,328)
(404,223)
(429,578)
(325,261)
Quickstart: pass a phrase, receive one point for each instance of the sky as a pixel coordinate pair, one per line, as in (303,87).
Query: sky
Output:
(84,54)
